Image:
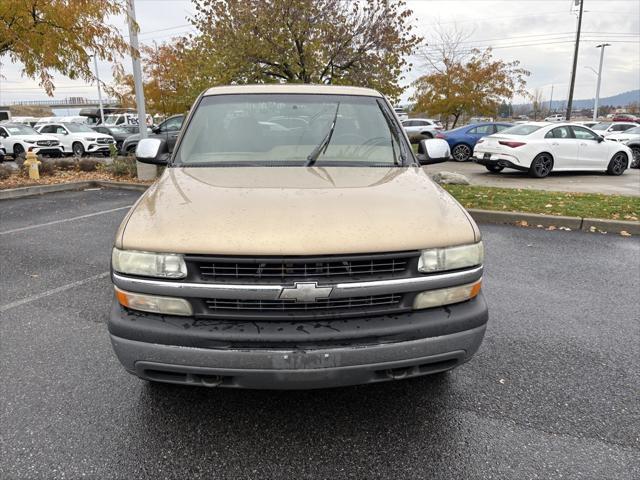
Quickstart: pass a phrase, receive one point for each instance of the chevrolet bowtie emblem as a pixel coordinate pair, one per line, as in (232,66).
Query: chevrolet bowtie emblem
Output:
(305,292)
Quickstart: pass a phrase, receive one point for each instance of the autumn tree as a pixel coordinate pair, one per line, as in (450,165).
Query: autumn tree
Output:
(174,73)
(48,36)
(341,42)
(462,81)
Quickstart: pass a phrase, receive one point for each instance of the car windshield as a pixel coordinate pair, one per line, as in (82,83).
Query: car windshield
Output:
(634,131)
(78,128)
(524,129)
(284,130)
(601,126)
(20,130)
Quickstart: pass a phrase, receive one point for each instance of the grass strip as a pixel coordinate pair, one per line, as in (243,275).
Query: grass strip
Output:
(586,205)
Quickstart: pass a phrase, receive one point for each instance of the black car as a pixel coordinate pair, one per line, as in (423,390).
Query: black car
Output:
(167,130)
(119,133)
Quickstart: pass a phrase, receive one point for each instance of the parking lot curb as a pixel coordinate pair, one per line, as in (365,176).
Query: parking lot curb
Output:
(613,226)
(532,219)
(123,185)
(65,187)
(42,189)
(573,223)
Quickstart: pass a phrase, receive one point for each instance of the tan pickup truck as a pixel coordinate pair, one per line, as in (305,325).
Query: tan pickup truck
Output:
(294,241)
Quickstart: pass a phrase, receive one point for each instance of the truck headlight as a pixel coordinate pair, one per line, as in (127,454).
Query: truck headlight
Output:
(446,296)
(154,303)
(451,258)
(148,264)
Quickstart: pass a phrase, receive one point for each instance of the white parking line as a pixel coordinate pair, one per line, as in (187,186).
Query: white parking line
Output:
(33,298)
(79,217)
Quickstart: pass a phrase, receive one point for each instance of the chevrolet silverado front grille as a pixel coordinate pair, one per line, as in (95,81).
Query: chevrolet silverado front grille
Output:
(270,269)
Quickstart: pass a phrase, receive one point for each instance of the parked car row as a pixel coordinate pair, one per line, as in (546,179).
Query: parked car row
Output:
(463,141)
(57,138)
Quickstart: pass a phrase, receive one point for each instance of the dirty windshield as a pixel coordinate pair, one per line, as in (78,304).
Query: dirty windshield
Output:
(286,129)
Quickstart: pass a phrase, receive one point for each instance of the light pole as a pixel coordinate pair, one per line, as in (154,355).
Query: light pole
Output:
(95,64)
(595,105)
(145,172)
(575,61)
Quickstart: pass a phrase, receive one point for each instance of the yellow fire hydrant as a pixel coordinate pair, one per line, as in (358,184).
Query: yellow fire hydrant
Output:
(32,162)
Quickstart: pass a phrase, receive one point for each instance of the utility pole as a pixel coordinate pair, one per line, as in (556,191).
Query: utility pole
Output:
(595,104)
(95,64)
(575,62)
(145,171)
(551,101)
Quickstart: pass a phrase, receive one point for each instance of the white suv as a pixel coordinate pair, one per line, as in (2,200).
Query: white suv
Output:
(558,117)
(78,139)
(18,139)
(421,128)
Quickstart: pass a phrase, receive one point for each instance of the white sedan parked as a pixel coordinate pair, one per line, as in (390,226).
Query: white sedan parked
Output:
(77,138)
(540,148)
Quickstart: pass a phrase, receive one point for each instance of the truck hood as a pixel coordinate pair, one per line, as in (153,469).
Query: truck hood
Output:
(294,211)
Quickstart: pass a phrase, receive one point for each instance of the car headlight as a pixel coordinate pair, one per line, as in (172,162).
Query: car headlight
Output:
(148,264)
(154,303)
(30,141)
(446,296)
(90,139)
(451,258)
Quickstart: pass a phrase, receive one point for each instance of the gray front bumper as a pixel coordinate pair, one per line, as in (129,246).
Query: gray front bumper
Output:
(297,368)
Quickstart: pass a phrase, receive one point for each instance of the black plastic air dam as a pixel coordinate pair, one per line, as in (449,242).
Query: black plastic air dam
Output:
(308,334)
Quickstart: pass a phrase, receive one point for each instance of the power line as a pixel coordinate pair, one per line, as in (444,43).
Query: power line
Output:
(521,45)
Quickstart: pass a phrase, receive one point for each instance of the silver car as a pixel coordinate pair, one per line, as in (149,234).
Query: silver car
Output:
(421,128)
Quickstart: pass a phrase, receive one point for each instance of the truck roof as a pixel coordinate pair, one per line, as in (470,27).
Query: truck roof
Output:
(293,88)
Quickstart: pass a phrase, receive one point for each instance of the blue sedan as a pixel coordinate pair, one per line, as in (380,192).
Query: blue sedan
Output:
(462,140)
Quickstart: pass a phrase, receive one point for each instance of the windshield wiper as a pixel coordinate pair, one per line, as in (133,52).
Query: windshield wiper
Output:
(324,144)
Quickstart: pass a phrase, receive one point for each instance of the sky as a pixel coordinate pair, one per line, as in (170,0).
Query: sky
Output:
(538,33)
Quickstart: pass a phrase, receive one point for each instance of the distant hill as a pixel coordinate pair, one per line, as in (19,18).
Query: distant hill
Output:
(619,100)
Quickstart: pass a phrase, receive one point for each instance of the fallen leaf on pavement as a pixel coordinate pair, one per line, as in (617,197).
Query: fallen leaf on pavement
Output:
(624,233)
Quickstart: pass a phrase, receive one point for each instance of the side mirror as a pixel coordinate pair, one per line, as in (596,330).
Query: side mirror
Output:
(152,150)
(433,150)
(600,139)
(156,130)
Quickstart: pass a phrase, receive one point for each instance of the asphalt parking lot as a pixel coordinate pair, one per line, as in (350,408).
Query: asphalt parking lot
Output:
(552,393)
(582,182)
